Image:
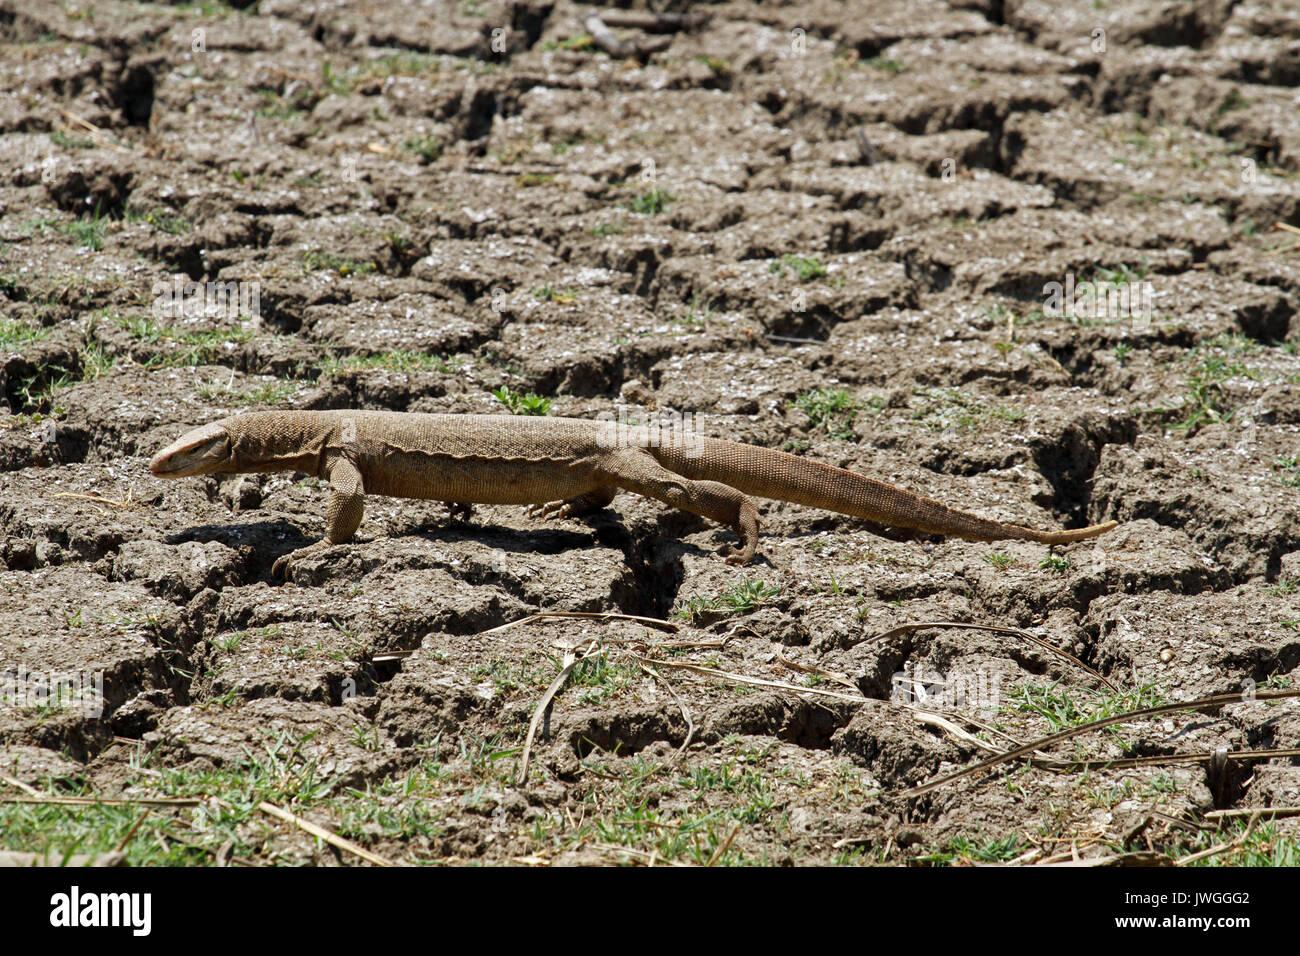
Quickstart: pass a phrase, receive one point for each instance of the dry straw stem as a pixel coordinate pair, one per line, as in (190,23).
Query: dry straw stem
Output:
(1286,247)
(996,629)
(650,858)
(19,785)
(1217,700)
(1142,858)
(835,676)
(993,731)
(105,802)
(930,718)
(604,38)
(1269,812)
(570,662)
(686,713)
(1161,760)
(122,844)
(333,839)
(10,858)
(927,717)
(100,500)
(544,615)
(588,615)
(755,681)
(791,338)
(86,127)
(1223,847)
(717,855)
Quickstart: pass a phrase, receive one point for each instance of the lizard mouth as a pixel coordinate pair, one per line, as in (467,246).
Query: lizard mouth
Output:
(198,452)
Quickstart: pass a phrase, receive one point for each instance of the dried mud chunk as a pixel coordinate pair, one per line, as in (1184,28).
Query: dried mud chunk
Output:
(1278,405)
(96,641)
(32,370)
(623,732)
(71,513)
(427,701)
(140,714)
(1141,556)
(297,660)
(101,191)
(410,322)
(806,723)
(1275,785)
(730,383)
(1197,644)
(1265,316)
(1218,494)
(334,740)
(179,571)
(36,765)
(469,270)
(896,749)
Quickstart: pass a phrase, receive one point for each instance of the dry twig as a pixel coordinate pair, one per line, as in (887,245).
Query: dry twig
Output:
(333,839)
(570,662)
(1215,701)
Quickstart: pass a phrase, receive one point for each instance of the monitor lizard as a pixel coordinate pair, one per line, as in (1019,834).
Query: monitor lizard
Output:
(561,466)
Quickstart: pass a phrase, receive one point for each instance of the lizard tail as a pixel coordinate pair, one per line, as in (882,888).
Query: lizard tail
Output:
(1062,537)
(767,473)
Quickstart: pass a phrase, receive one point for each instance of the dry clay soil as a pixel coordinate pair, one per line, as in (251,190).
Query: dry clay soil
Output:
(808,225)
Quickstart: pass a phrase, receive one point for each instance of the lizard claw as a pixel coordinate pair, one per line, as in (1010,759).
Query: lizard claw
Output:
(281,566)
(559,509)
(284,563)
(743,553)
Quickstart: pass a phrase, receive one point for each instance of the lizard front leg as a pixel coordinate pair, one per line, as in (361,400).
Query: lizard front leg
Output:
(342,516)
(637,471)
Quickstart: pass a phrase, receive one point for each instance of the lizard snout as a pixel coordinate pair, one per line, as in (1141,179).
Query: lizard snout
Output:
(194,453)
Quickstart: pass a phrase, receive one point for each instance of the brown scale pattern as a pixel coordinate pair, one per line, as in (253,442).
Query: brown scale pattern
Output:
(571,466)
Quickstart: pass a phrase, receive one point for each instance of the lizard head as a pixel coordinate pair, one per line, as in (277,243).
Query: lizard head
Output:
(199,452)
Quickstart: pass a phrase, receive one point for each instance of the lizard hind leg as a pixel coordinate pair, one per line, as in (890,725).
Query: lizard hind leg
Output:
(576,506)
(639,472)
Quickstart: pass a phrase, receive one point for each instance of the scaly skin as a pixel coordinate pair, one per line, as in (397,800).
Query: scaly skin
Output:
(567,466)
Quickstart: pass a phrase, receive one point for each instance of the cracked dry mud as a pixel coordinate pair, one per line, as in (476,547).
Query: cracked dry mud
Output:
(809,226)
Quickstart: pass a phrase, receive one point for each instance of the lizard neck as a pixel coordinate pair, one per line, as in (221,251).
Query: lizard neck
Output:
(277,441)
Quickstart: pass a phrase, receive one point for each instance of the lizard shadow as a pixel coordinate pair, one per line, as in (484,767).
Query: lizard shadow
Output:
(841,524)
(266,540)
(602,530)
(500,537)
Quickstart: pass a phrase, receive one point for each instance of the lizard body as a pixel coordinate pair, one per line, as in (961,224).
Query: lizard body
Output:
(568,466)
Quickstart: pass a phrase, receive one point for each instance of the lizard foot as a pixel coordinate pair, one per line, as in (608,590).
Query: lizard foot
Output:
(743,553)
(283,565)
(459,510)
(737,557)
(576,506)
(558,509)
